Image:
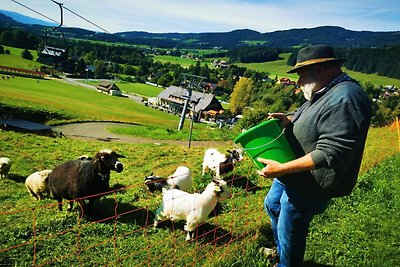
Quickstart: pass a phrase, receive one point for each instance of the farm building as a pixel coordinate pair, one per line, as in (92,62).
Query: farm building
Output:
(173,98)
(109,88)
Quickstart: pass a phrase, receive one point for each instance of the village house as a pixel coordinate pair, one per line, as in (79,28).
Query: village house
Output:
(286,82)
(211,88)
(202,105)
(108,88)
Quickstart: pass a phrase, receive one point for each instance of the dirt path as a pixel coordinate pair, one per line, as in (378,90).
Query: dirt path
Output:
(98,131)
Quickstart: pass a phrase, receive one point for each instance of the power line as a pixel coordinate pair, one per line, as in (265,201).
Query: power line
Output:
(76,14)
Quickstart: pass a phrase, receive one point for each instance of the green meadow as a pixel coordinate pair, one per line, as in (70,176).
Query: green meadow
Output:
(140,89)
(358,230)
(15,60)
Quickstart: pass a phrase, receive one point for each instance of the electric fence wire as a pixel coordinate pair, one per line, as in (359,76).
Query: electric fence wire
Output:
(76,14)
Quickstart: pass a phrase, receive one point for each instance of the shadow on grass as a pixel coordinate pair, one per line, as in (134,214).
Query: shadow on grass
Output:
(16,178)
(205,233)
(108,211)
(242,182)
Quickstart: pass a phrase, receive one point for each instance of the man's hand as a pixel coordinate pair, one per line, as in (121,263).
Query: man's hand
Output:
(272,169)
(283,119)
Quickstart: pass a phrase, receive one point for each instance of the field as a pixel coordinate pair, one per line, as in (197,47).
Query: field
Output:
(77,102)
(14,59)
(68,103)
(359,230)
(140,89)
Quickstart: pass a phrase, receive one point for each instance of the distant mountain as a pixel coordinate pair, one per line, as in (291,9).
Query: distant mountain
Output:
(25,19)
(332,35)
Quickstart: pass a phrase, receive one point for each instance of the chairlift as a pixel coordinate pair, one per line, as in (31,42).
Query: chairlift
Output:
(56,54)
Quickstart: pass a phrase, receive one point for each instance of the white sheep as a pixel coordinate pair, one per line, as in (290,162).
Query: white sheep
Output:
(5,165)
(180,179)
(37,184)
(220,163)
(193,208)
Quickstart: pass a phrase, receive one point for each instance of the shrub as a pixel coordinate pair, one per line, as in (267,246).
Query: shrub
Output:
(26,54)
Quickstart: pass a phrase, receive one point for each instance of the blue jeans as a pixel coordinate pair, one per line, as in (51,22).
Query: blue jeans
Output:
(291,215)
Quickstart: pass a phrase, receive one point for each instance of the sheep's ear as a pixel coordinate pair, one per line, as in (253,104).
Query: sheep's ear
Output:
(120,156)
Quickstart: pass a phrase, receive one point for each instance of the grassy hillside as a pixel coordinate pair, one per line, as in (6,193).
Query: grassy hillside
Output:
(132,88)
(184,62)
(15,60)
(359,230)
(79,102)
(66,102)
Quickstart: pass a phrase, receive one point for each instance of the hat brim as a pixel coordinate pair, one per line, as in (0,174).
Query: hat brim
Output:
(314,62)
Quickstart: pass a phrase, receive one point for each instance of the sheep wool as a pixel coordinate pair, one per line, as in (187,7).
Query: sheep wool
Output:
(37,184)
(5,165)
(193,208)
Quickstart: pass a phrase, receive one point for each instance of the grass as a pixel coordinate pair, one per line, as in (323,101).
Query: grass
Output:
(362,228)
(67,103)
(184,62)
(200,132)
(15,60)
(78,102)
(359,230)
(140,89)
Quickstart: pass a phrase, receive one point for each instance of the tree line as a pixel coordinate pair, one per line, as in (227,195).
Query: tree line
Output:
(250,54)
(383,61)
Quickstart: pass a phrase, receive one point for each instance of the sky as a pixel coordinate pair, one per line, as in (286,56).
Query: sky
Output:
(161,16)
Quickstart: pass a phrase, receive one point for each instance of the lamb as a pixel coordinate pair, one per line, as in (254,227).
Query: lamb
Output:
(220,163)
(37,184)
(180,179)
(77,179)
(193,208)
(5,165)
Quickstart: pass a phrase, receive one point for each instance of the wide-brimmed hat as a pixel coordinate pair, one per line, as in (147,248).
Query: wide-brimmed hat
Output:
(315,54)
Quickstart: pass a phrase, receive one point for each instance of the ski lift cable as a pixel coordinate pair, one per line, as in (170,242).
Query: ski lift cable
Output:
(61,6)
(34,11)
(76,14)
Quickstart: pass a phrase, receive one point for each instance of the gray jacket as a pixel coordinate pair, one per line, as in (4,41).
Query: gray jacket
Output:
(333,127)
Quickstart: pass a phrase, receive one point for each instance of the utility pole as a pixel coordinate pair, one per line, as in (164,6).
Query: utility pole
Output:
(191,82)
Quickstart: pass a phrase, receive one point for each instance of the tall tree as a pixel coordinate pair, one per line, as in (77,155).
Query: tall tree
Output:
(241,95)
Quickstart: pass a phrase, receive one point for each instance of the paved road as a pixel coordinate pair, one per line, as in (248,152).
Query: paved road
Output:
(98,131)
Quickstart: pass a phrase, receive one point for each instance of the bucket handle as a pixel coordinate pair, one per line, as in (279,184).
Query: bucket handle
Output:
(257,147)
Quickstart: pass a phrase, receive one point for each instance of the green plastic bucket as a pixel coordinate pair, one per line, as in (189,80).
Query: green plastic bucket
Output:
(266,140)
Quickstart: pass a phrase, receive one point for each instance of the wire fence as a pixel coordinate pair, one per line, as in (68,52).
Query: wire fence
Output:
(121,234)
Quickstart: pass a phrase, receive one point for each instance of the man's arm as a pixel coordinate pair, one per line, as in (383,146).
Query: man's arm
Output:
(275,169)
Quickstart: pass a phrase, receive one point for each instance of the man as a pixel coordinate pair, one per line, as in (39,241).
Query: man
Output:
(328,134)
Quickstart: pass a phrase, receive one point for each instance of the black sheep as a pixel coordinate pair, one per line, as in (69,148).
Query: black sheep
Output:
(76,179)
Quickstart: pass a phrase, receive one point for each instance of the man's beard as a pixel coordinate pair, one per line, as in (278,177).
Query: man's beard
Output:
(308,90)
